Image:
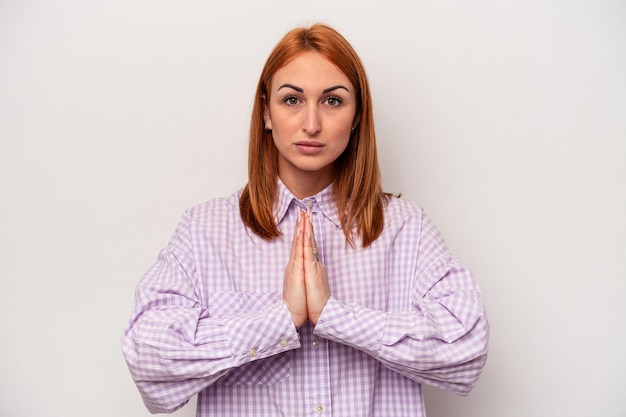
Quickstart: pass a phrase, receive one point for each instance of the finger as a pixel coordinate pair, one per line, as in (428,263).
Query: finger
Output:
(294,289)
(317,288)
(297,237)
(312,241)
(311,253)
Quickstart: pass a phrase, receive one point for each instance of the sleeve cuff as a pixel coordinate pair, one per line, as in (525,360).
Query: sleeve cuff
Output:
(258,335)
(352,325)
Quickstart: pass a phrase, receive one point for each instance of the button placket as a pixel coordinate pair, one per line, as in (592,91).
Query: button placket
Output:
(320,394)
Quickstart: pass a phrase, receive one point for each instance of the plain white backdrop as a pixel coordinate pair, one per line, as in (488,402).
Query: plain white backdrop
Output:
(505,120)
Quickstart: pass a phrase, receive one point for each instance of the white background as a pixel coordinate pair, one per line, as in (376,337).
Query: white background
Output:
(505,120)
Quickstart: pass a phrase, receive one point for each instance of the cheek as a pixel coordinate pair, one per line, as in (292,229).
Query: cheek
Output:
(342,139)
(345,126)
(345,143)
(283,123)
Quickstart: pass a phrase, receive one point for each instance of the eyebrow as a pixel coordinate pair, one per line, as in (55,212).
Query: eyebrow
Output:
(300,90)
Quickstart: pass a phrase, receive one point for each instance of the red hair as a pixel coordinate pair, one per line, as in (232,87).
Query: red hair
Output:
(356,185)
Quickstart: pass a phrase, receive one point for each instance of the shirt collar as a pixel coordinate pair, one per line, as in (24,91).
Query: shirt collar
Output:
(324,200)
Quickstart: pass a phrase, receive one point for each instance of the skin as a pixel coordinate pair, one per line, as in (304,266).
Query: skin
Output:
(305,288)
(311,112)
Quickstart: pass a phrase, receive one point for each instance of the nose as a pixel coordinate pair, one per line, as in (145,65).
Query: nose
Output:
(311,122)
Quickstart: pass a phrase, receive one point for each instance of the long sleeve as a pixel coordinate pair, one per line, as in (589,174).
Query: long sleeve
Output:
(175,347)
(209,319)
(440,338)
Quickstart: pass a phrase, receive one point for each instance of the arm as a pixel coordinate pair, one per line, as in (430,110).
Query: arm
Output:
(175,348)
(441,339)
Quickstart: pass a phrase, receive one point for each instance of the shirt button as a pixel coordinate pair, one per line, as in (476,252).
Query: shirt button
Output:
(316,343)
(319,408)
(284,343)
(253,352)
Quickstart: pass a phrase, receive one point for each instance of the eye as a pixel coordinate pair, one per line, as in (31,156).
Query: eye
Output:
(333,101)
(291,100)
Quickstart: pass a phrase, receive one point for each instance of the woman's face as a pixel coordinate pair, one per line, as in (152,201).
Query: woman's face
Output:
(311,111)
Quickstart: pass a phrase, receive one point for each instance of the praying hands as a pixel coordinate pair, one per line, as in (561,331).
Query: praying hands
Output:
(305,289)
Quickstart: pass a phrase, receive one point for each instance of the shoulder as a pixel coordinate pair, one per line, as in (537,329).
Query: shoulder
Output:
(406,217)
(221,210)
(398,210)
(409,218)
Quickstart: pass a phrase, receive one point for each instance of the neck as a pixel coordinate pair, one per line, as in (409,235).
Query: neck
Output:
(305,185)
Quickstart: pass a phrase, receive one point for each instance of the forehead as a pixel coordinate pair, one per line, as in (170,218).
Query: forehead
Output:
(310,69)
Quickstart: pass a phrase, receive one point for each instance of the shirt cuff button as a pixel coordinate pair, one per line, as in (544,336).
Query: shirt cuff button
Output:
(284,343)
(253,352)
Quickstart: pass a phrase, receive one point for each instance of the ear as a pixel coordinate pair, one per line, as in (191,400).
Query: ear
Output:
(266,115)
(356,121)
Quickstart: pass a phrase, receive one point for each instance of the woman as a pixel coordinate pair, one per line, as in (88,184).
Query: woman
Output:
(309,292)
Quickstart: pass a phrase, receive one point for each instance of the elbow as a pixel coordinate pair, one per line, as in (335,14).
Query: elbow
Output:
(462,378)
(159,396)
(460,369)
(156,394)
(475,360)
(156,404)
(472,376)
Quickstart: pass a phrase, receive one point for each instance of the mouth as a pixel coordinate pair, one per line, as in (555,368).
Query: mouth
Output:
(309,147)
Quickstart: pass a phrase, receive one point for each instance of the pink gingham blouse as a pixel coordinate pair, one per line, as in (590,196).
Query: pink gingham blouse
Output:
(209,318)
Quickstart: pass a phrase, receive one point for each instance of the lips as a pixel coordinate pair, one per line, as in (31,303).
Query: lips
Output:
(309,147)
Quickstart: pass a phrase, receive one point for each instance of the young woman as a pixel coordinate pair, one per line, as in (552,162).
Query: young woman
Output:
(310,291)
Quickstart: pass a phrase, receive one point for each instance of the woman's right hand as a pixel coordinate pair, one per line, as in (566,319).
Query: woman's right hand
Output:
(294,289)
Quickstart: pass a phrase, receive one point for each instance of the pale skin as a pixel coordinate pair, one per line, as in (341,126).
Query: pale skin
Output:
(305,289)
(311,111)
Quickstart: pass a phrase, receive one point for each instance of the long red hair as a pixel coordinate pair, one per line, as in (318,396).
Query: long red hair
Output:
(356,185)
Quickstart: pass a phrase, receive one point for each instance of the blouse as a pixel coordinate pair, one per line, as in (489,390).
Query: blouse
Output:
(209,318)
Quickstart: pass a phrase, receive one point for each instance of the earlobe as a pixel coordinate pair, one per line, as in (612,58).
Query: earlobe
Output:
(355,123)
(266,116)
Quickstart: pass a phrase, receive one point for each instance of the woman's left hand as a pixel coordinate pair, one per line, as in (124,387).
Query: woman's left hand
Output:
(315,280)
